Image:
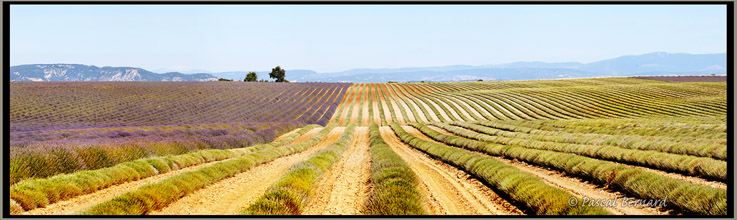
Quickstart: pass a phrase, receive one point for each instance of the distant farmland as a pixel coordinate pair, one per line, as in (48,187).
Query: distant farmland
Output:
(536,147)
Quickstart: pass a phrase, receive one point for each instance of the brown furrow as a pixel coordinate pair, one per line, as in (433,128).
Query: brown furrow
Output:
(573,185)
(231,195)
(345,187)
(80,203)
(457,192)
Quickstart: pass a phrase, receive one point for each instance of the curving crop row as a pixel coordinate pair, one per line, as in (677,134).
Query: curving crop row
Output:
(394,189)
(46,158)
(666,145)
(292,191)
(686,196)
(698,166)
(537,196)
(670,127)
(159,194)
(35,193)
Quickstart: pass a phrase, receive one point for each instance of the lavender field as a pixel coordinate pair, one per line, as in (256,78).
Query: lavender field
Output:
(62,127)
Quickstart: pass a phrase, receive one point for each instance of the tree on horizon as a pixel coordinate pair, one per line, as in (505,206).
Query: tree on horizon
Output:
(279,74)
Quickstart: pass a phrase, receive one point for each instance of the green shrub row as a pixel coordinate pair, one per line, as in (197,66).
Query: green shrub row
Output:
(409,98)
(394,188)
(401,98)
(30,194)
(530,191)
(380,105)
(289,194)
(528,128)
(159,194)
(631,142)
(686,196)
(690,165)
(662,126)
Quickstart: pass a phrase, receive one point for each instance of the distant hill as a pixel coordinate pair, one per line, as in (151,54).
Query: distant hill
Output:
(292,75)
(78,72)
(650,64)
(658,63)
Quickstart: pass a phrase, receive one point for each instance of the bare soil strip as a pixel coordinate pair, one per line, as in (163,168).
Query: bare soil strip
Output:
(314,101)
(442,113)
(347,103)
(462,111)
(690,179)
(80,203)
(375,107)
(582,188)
(513,115)
(365,117)
(345,187)
(456,192)
(387,113)
(411,92)
(419,111)
(611,193)
(330,102)
(482,101)
(286,134)
(395,98)
(306,136)
(340,105)
(574,185)
(473,110)
(356,105)
(397,111)
(230,196)
(428,109)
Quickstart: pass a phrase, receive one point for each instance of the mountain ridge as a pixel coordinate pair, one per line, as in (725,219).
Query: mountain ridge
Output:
(656,63)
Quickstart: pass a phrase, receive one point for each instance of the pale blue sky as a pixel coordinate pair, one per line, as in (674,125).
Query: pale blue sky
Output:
(328,38)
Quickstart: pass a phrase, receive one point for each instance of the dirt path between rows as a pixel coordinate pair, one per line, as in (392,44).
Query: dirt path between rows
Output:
(442,113)
(356,106)
(471,109)
(451,110)
(395,107)
(460,111)
(306,136)
(519,112)
(582,187)
(420,113)
(340,104)
(415,92)
(572,185)
(232,195)
(83,202)
(690,179)
(286,134)
(347,104)
(396,99)
(482,102)
(365,116)
(513,115)
(428,109)
(481,110)
(448,191)
(346,186)
(387,113)
(375,107)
